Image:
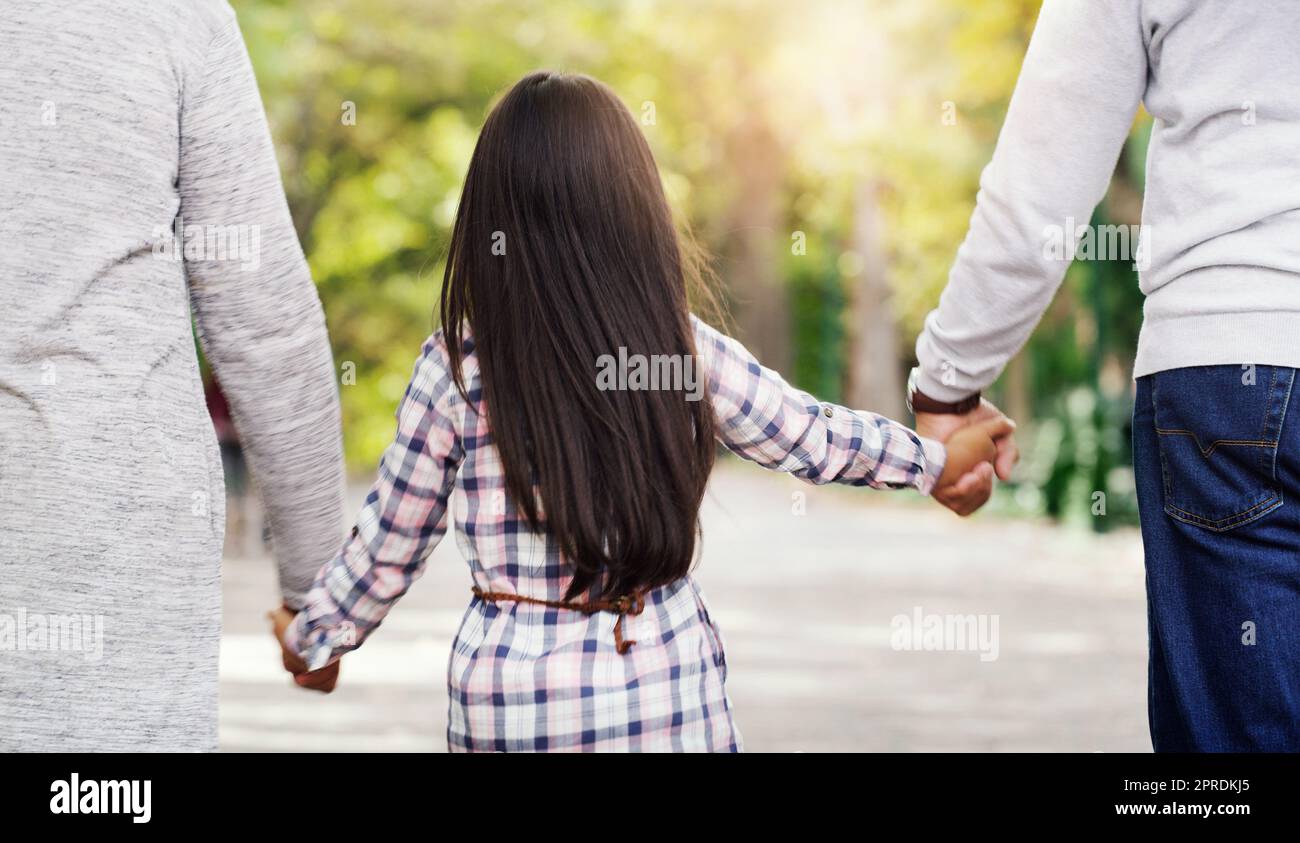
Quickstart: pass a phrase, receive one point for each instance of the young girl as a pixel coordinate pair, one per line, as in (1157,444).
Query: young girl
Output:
(576,504)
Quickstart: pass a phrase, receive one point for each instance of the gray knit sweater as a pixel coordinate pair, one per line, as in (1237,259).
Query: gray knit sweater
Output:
(1221,217)
(116,119)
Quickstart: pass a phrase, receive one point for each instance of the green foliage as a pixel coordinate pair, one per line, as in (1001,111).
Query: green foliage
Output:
(817,305)
(1079,464)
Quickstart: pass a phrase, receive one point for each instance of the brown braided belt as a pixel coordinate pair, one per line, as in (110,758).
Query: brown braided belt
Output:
(633,604)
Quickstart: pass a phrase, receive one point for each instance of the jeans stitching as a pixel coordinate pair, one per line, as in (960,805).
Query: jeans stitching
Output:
(1274,500)
(1281,423)
(1224,526)
(1268,416)
(1260,443)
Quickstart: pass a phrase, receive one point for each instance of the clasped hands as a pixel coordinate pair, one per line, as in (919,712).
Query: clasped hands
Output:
(322,680)
(980,444)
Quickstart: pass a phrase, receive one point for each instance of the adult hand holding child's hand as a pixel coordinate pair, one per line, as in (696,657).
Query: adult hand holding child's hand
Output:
(322,680)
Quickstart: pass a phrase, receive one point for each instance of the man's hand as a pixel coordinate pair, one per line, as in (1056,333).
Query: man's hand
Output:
(322,680)
(973,489)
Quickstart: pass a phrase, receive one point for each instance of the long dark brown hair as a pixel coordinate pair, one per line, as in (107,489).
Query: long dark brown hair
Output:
(564,250)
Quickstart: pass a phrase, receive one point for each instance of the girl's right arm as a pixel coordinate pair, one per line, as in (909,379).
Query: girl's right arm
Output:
(765,420)
(404,518)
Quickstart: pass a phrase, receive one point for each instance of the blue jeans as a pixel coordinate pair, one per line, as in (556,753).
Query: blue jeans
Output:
(1217,463)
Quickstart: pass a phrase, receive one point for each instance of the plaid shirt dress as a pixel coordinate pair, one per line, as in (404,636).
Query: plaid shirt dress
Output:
(525,677)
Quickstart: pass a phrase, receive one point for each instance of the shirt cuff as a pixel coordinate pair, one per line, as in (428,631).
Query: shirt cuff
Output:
(933,457)
(938,390)
(317,647)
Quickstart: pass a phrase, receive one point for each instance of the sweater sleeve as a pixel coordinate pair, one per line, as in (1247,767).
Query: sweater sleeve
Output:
(256,309)
(1081,83)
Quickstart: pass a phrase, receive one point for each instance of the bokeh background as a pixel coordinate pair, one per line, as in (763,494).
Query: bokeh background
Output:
(826,154)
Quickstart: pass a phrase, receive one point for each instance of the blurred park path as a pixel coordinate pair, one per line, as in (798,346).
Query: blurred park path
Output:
(805,602)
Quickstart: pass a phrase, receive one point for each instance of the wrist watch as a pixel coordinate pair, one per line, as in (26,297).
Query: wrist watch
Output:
(919,402)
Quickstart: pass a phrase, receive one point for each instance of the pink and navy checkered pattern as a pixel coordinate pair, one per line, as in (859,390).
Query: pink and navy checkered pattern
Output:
(526,677)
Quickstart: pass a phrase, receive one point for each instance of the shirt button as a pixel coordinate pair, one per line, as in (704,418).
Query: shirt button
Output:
(828,412)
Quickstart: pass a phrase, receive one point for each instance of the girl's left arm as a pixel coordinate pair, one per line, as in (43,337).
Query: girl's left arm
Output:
(765,420)
(404,518)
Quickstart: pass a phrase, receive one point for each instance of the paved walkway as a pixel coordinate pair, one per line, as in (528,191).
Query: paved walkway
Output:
(806,603)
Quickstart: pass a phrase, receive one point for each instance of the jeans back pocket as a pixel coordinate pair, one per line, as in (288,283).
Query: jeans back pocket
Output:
(1218,428)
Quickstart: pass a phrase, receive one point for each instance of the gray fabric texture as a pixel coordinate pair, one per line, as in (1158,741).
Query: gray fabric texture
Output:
(116,118)
(1221,213)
